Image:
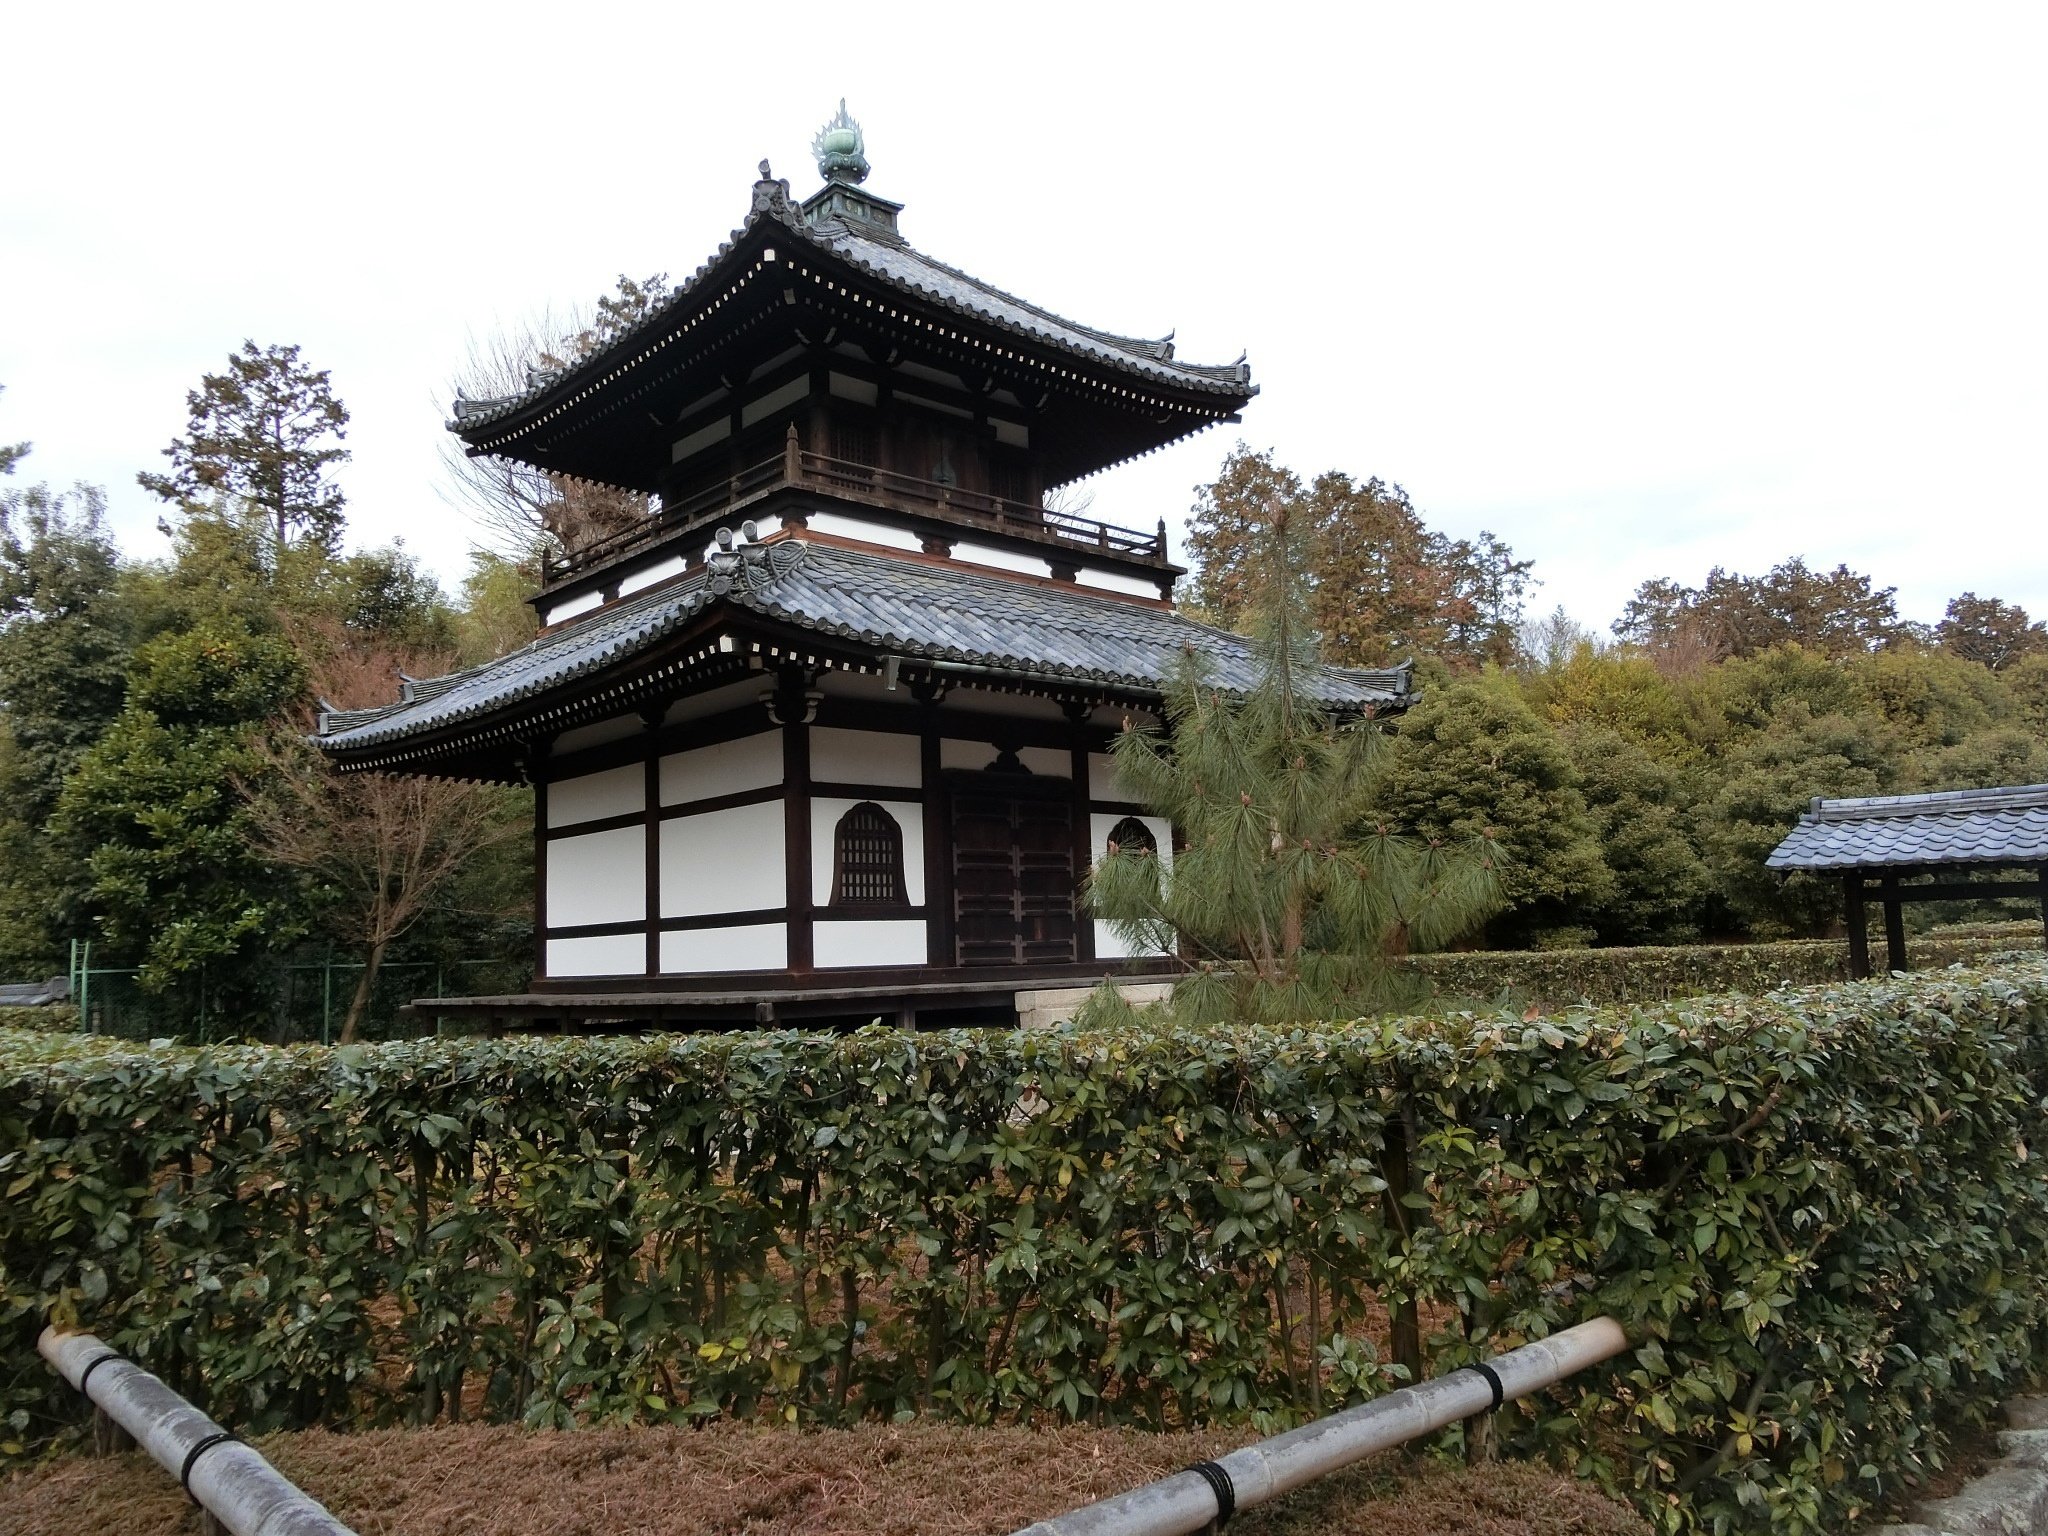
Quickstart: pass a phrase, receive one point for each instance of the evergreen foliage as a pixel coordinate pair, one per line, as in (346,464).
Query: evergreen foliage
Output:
(1284,892)
(1473,759)
(1806,1208)
(155,812)
(264,433)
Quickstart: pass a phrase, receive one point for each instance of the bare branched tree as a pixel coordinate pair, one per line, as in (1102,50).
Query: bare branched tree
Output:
(524,510)
(385,847)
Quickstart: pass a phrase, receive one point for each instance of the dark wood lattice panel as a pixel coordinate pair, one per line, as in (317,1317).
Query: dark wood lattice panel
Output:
(867,859)
(1013,880)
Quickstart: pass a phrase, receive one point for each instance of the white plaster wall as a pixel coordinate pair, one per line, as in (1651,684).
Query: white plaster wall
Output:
(1100,823)
(825,814)
(695,706)
(1115,581)
(598,877)
(616,954)
(712,432)
(570,607)
(616,729)
(1047,762)
(868,533)
(648,575)
(840,945)
(1001,559)
(724,768)
(1103,784)
(723,861)
(764,406)
(865,757)
(749,947)
(592,796)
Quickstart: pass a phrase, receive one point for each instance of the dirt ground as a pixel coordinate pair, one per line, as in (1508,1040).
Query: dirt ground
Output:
(913,1480)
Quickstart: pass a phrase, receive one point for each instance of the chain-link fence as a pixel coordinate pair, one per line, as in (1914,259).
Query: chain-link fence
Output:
(295,999)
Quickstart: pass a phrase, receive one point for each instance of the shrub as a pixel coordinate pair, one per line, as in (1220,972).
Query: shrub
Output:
(1562,977)
(1817,1211)
(58,1016)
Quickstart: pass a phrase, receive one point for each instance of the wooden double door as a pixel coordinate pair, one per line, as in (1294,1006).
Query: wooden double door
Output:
(1013,874)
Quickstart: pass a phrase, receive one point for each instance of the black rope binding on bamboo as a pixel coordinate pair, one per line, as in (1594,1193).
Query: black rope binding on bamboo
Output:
(1219,1484)
(1492,1380)
(206,1443)
(92,1365)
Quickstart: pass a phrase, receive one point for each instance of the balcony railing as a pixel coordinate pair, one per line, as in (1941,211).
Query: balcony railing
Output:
(799,468)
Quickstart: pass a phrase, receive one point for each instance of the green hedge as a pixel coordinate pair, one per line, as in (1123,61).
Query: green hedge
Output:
(50,1016)
(1819,1211)
(1625,975)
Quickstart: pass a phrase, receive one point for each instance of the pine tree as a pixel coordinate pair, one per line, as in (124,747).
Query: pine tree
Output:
(1285,894)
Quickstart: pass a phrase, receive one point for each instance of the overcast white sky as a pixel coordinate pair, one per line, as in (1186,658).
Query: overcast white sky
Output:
(1640,288)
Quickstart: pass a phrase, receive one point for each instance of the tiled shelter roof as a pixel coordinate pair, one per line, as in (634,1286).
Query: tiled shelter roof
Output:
(1984,827)
(929,611)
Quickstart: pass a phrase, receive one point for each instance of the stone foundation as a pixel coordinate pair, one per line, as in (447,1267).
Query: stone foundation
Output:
(1056,1005)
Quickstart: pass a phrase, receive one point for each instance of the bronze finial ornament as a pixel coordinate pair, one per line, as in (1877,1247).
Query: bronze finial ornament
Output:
(840,149)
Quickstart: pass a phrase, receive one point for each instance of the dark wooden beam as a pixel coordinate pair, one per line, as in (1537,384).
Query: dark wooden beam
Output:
(938,857)
(650,812)
(1894,925)
(1084,838)
(1859,928)
(796,815)
(1963,890)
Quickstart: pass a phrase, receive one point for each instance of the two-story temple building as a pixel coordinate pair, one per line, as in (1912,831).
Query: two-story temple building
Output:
(825,738)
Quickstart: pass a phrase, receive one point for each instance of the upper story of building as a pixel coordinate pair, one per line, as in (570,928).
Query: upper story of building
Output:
(820,371)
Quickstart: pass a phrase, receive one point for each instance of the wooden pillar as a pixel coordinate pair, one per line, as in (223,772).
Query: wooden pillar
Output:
(796,818)
(1084,835)
(938,845)
(536,773)
(1859,928)
(651,717)
(1894,925)
(2044,904)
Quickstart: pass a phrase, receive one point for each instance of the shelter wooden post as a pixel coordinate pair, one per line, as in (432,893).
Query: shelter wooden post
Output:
(2044,905)
(1894,925)
(1859,928)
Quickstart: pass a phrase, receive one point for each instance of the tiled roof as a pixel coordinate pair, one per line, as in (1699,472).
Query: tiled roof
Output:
(908,268)
(1964,826)
(904,268)
(904,607)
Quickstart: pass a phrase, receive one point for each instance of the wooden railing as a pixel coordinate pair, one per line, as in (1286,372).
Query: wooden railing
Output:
(845,480)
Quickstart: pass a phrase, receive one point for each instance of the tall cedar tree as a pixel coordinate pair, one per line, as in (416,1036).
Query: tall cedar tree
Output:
(1288,898)
(1381,586)
(265,433)
(526,510)
(1989,632)
(1838,613)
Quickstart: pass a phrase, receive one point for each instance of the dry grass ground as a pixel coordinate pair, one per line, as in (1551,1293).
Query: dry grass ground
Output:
(741,1481)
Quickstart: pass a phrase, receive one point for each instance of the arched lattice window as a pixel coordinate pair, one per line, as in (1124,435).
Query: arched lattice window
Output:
(1132,836)
(867,859)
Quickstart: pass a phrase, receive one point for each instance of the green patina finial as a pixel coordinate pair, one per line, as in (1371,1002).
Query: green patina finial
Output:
(839,149)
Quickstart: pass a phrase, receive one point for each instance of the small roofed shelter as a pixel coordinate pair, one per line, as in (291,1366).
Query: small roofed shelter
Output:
(825,736)
(1896,849)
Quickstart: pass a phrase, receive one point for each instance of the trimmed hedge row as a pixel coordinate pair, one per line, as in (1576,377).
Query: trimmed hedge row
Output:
(58,1016)
(1819,1212)
(1624,975)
